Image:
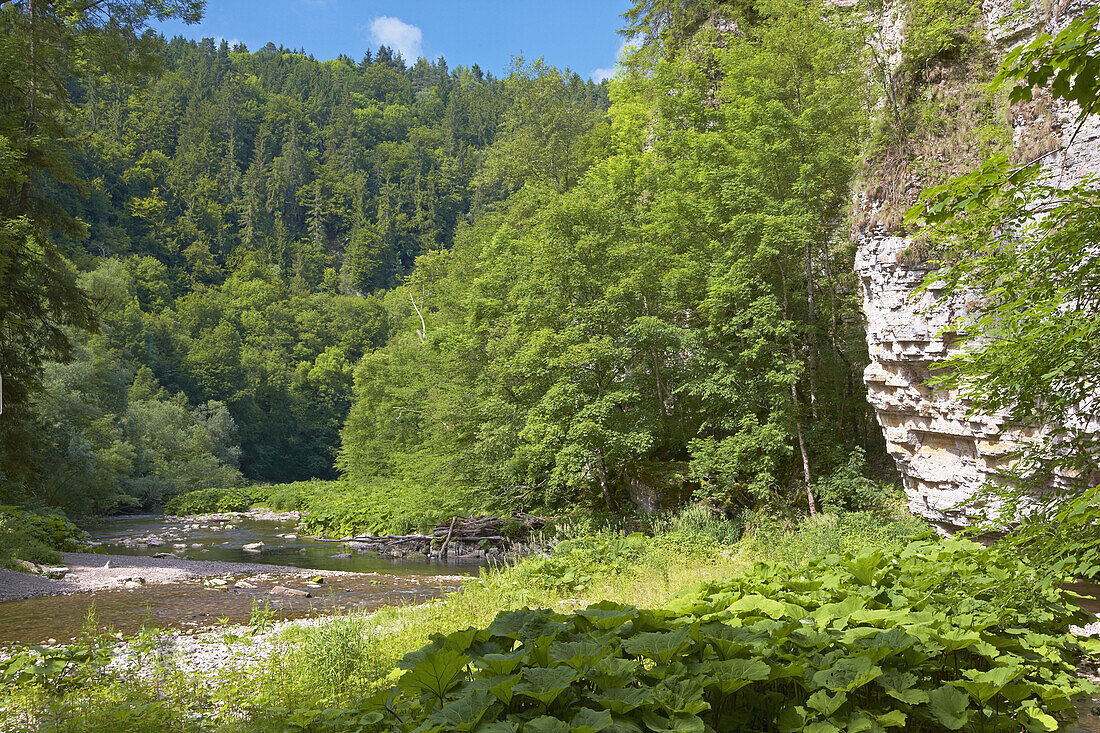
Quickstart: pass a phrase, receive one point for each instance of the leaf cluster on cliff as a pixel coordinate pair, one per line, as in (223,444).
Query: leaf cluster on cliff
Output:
(1028,243)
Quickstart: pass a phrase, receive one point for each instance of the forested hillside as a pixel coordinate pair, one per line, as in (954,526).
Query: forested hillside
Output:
(239,217)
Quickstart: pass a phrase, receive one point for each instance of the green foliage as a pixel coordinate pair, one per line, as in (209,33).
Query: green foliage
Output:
(831,533)
(1037,355)
(48,527)
(584,328)
(941,635)
(342,508)
(208,501)
(575,564)
(107,435)
(54,667)
(695,521)
(44,51)
(36,537)
(939,29)
(848,489)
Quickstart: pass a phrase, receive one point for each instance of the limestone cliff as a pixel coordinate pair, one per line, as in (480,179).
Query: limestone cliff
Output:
(943,453)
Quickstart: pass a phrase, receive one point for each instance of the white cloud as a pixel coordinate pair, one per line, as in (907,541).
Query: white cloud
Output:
(606,72)
(398,35)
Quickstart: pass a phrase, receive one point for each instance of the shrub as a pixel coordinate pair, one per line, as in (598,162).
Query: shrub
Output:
(341,508)
(574,565)
(209,501)
(36,536)
(939,635)
(848,489)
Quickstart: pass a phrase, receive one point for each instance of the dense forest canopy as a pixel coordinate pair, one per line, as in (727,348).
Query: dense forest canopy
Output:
(237,218)
(684,313)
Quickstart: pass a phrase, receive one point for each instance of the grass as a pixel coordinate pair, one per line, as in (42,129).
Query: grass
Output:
(341,661)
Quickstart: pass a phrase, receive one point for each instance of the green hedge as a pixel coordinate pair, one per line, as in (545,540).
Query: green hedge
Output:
(940,635)
(210,501)
(341,508)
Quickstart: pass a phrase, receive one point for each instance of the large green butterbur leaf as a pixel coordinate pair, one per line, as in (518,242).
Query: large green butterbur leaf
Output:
(660,646)
(436,675)
(547,724)
(984,685)
(464,713)
(948,705)
(545,685)
(622,700)
(501,663)
(847,674)
(825,703)
(752,605)
(590,721)
(580,654)
(607,615)
(731,675)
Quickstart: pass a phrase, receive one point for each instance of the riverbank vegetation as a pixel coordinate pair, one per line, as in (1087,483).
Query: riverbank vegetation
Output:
(343,660)
(886,603)
(36,537)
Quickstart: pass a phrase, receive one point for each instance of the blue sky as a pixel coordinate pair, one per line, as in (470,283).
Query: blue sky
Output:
(579,34)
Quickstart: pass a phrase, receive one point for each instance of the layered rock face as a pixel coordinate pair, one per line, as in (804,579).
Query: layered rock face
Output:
(943,453)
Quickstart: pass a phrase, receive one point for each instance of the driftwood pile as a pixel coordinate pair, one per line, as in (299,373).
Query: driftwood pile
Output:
(474,537)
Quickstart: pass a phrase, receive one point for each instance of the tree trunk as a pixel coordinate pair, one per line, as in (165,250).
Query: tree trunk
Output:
(805,455)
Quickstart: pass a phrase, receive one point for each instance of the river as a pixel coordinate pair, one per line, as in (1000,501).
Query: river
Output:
(374,581)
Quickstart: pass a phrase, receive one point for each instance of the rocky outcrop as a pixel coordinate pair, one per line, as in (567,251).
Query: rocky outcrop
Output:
(944,453)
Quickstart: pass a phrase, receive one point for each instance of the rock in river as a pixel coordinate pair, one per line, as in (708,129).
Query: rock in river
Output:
(283,591)
(253,547)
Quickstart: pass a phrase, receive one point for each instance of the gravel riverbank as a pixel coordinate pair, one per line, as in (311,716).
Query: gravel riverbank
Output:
(92,572)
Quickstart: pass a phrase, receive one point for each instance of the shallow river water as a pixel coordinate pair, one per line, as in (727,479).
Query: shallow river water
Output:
(225,539)
(377,581)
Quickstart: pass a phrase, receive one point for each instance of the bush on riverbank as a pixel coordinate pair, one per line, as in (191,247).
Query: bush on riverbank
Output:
(210,501)
(36,537)
(341,508)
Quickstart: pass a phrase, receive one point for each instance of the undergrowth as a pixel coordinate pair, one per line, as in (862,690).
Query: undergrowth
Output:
(942,635)
(210,501)
(38,537)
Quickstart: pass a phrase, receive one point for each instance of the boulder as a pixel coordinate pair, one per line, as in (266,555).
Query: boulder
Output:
(244,585)
(280,590)
(55,572)
(253,547)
